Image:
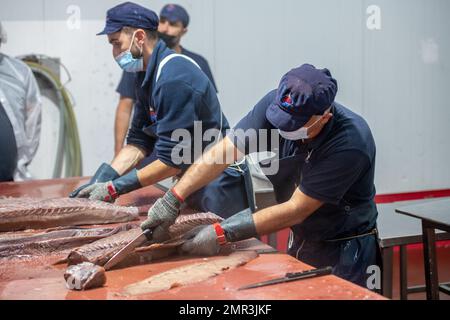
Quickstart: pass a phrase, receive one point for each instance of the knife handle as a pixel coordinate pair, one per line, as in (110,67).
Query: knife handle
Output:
(148,234)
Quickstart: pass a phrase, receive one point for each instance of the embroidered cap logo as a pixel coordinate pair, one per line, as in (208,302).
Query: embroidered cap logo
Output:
(287,102)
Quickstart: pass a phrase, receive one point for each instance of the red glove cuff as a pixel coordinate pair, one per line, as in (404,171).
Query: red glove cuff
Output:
(177,195)
(112,192)
(220,234)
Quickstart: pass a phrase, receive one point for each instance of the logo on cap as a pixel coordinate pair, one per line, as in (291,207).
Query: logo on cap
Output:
(287,101)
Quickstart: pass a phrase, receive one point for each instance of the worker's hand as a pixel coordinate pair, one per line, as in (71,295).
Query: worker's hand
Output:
(110,191)
(161,216)
(104,191)
(104,173)
(201,242)
(204,241)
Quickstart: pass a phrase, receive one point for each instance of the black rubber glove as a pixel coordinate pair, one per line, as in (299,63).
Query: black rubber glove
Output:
(204,241)
(111,190)
(240,226)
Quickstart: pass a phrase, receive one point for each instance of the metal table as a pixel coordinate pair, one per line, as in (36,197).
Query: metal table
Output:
(399,230)
(434,215)
(30,281)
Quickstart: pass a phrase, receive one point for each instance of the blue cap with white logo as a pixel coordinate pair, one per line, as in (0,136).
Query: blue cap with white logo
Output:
(303,92)
(129,14)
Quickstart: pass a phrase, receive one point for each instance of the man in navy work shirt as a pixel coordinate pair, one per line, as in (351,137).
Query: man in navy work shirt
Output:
(172,94)
(324,183)
(173,24)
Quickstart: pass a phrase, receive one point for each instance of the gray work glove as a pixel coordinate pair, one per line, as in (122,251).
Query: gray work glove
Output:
(103,174)
(110,191)
(161,216)
(98,191)
(204,241)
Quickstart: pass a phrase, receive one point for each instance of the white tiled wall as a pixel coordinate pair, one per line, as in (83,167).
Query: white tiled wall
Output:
(396,77)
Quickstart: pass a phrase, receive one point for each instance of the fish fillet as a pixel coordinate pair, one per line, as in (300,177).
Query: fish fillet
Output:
(99,252)
(190,274)
(50,241)
(30,213)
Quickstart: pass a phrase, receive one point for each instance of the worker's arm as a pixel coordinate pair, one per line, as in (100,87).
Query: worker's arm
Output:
(109,191)
(208,167)
(285,215)
(122,122)
(127,159)
(245,225)
(156,172)
(165,210)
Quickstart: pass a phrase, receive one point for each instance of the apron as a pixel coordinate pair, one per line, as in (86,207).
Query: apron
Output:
(349,255)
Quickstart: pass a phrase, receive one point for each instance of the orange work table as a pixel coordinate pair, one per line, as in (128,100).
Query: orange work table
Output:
(37,280)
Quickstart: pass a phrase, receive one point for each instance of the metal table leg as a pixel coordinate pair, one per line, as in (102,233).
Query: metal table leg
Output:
(429,252)
(387,257)
(403,273)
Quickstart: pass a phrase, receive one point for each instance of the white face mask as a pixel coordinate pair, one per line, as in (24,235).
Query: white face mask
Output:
(127,62)
(300,134)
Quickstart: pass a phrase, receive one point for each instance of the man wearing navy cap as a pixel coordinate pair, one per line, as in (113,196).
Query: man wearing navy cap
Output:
(173,24)
(324,185)
(173,96)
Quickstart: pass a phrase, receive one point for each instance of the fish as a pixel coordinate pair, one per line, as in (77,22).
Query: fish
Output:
(189,274)
(85,276)
(31,213)
(35,244)
(99,252)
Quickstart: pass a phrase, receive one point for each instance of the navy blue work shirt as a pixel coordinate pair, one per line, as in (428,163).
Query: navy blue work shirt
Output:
(127,88)
(127,85)
(181,96)
(337,167)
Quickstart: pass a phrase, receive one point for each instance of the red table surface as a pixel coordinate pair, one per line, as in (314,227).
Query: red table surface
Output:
(36,279)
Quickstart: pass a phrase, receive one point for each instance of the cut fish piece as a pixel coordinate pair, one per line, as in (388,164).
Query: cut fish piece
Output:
(48,242)
(99,252)
(84,276)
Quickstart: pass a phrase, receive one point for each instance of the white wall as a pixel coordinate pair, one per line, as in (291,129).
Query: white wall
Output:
(395,77)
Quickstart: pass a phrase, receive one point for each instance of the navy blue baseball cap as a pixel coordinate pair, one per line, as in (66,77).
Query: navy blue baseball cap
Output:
(129,14)
(303,92)
(175,13)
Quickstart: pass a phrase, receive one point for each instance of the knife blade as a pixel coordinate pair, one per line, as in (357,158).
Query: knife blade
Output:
(129,248)
(291,277)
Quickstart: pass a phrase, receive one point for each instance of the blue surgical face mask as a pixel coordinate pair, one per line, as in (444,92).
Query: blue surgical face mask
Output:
(127,62)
